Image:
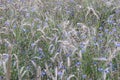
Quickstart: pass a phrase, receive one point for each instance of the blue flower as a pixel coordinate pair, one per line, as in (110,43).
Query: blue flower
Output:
(114,30)
(106,70)
(68,55)
(100,28)
(118,24)
(33,9)
(94,63)
(100,69)
(106,30)
(32,45)
(43,73)
(9,1)
(94,38)
(14,26)
(82,45)
(83,37)
(84,76)
(27,15)
(61,66)
(71,0)
(96,44)
(7,23)
(77,64)
(110,33)
(118,45)
(22,0)
(117,11)
(100,34)
(83,50)
(60,73)
(41,53)
(111,22)
(100,41)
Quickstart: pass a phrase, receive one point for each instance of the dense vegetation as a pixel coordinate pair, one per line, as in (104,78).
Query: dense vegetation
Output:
(59,40)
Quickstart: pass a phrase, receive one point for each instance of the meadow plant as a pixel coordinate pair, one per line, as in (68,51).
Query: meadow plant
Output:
(59,40)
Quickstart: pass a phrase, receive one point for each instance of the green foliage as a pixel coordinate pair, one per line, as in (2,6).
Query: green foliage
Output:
(59,40)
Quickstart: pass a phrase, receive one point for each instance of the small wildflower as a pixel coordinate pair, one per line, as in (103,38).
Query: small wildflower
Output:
(22,0)
(41,53)
(106,70)
(84,76)
(82,45)
(5,57)
(100,28)
(106,30)
(33,44)
(117,11)
(27,15)
(94,63)
(68,55)
(84,37)
(111,22)
(94,38)
(96,44)
(9,1)
(118,24)
(100,34)
(114,30)
(78,64)
(40,50)
(72,13)
(83,51)
(1,78)
(61,66)
(117,44)
(72,1)
(100,41)
(100,69)
(58,25)
(43,73)
(14,26)
(60,73)
(7,23)
(28,68)
(33,9)
(111,16)
(58,50)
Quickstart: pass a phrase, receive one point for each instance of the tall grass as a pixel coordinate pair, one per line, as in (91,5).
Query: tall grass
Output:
(59,40)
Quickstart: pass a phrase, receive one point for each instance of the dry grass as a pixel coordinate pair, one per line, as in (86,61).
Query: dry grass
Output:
(59,40)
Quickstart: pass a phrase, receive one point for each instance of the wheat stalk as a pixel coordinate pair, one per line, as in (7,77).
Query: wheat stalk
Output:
(8,65)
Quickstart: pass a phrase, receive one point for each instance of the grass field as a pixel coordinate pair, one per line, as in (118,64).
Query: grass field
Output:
(59,40)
